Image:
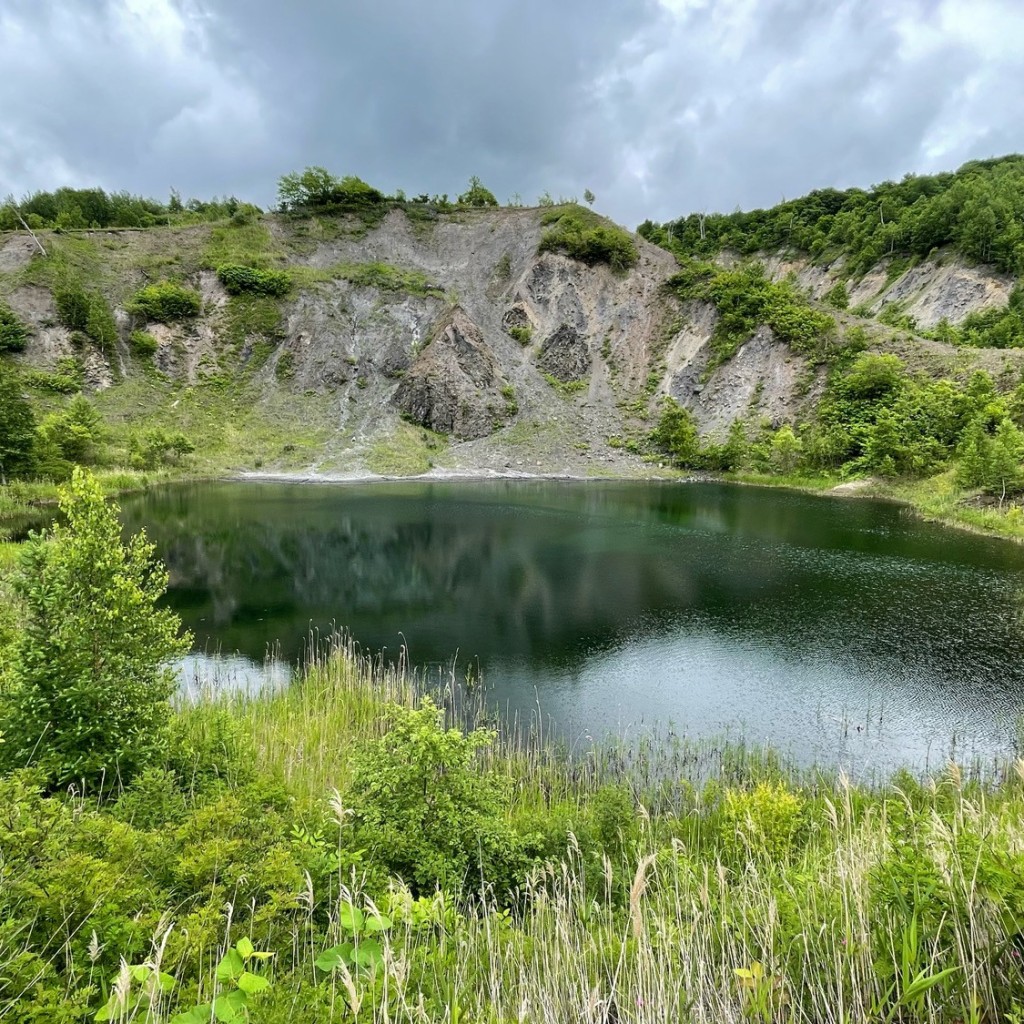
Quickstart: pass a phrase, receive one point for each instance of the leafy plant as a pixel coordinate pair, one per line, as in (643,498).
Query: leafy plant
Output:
(236,985)
(424,804)
(361,951)
(138,989)
(166,302)
(238,280)
(90,682)
(13,332)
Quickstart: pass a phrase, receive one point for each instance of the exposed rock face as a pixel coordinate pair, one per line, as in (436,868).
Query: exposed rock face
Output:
(760,382)
(516,317)
(506,320)
(565,355)
(454,385)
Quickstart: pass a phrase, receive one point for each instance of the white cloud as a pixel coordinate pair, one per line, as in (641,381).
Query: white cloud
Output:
(660,106)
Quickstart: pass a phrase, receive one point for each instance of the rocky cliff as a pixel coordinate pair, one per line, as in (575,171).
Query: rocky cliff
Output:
(457,324)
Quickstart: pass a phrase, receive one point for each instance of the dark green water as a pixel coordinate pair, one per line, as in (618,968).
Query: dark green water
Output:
(837,630)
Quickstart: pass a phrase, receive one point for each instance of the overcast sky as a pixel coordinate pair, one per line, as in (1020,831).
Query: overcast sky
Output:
(659,106)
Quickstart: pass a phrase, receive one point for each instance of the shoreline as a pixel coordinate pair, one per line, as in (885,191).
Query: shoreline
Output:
(868,488)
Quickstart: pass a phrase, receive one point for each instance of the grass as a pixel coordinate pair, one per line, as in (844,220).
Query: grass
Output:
(234,427)
(407,451)
(382,276)
(566,388)
(692,883)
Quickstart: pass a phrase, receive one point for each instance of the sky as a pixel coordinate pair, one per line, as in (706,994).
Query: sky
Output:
(660,107)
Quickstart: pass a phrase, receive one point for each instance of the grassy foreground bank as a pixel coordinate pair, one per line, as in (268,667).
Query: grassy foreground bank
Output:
(333,852)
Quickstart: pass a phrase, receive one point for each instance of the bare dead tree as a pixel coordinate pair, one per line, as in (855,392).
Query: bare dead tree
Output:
(17,213)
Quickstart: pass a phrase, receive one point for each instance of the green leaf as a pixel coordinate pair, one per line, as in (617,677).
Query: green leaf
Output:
(245,947)
(368,954)
(377,923)
(350,918)
(252,983)
(331,958)
(197,1015)
(923,982)
(230,966)
(230,1008)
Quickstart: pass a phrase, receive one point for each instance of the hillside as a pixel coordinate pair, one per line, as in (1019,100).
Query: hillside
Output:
(401,337)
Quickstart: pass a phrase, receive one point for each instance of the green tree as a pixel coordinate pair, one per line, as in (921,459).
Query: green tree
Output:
(88,700)
(421,797)
(676,434)
(313,186)
(786,450)
(13,333)
(477,194)
(17,427)
(588,197)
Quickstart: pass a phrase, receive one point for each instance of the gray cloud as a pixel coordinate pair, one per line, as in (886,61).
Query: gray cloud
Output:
(659,106)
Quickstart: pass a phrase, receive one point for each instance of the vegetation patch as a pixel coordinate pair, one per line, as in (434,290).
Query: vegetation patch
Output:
(166,302)
(13,331)
(408,450)
(382,276)
(239,280)
(583,235)
(566,388)
(86,314)
(249,244)
(745,298)
(978,212)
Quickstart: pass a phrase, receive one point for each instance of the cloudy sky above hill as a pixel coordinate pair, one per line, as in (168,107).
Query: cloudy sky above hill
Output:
(659,106)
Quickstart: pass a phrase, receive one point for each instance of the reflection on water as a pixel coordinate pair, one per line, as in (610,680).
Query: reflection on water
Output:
(205,674)
(835,629)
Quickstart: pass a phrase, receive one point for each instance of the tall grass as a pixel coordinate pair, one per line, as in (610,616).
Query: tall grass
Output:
(733,888)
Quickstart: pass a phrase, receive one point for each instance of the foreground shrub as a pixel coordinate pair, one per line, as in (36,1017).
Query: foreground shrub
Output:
(90,686)
(166,302)
(420,797)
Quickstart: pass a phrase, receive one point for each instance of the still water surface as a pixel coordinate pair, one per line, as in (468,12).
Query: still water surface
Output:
(839,631)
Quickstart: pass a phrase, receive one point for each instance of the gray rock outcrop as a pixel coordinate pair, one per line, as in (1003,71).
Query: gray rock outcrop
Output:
(454,385)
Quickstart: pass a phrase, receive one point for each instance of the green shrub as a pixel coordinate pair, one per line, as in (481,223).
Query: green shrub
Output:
(89,701)
(239,280)
(17,427)
(157,447)
(837,296)
(72,306)
(143,343)
(477,195)
(426,806)
(521,334)
(86,312)
(66,379)
(13,333)
(676,434)
(166,302)
(75,434)
(763,824)
(584,236)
